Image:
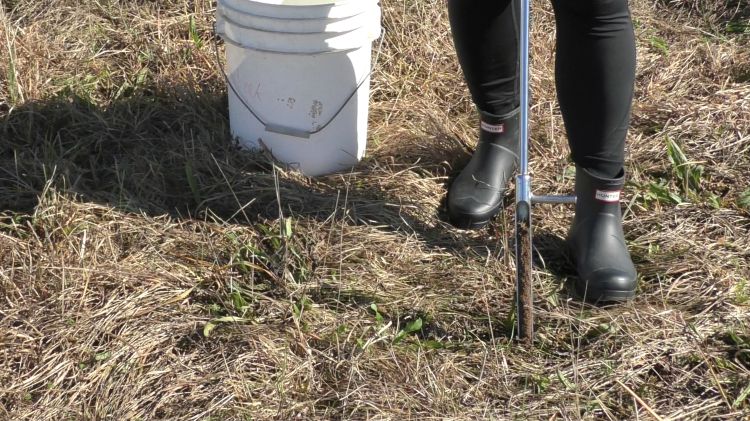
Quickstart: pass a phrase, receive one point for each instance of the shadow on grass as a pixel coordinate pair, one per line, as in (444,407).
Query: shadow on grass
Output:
(136,155)
(171,153)
(551,254)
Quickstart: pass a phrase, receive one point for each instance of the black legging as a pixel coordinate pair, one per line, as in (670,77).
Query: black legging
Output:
(595,69)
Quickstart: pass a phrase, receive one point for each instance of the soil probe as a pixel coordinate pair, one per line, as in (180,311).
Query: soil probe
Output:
(525,198)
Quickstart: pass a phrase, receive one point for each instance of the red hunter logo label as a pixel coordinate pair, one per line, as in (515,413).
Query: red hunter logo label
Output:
(608,196)
(493,128)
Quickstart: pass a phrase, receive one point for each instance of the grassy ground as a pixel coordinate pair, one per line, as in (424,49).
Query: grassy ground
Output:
(151,270)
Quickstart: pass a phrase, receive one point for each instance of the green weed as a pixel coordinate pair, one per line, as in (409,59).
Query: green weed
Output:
(743,399)
(738,27)
(564,380)
(193,30)
(540,383)
(12,75)
(659,44)
(214,323)
(659,191)
(245,255)
(299,308)
(744,200)
(687,173)
(192,181)
(742,292)
(411,328)
(739,339)
(378,317)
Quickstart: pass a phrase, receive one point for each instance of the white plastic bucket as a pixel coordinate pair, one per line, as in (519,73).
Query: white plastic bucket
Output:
(299,78)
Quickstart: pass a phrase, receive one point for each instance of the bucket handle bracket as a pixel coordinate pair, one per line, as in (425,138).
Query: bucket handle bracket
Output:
(289,131)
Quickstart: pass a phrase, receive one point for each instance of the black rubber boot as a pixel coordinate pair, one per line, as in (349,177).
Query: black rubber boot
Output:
(605,270)
(476,195)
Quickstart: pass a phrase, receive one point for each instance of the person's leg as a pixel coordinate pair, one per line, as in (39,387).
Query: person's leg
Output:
(595,72)
(486,40)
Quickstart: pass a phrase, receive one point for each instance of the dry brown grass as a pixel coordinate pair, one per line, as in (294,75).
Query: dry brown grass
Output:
(129,221)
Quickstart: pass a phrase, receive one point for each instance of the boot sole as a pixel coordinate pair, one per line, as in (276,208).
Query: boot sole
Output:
(469,223)
(472,222)
(600,296)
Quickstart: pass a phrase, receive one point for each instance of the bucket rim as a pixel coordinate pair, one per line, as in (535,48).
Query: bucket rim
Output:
(305,3)
(223,5)
(234,23)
